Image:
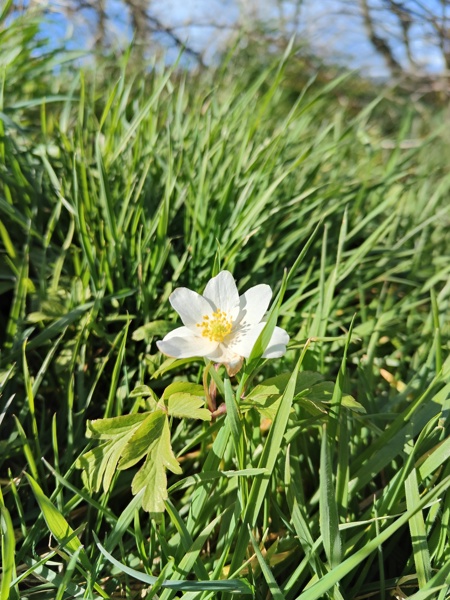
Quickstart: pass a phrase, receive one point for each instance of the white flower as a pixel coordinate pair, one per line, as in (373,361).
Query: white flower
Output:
(221,325)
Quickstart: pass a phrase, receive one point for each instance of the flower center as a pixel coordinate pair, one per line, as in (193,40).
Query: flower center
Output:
(216,327)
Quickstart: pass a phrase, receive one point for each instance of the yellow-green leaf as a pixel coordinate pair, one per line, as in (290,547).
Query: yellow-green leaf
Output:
(8,548)
(183,387)
(113,426)
(57,524)
(349,402)
(142,440)
(152,476)
(188,406)
(143,390)
(93,465)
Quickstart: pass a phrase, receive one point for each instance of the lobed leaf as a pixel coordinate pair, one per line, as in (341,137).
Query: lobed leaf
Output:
(142,439)
(152,476)
(188,406)
(111,427)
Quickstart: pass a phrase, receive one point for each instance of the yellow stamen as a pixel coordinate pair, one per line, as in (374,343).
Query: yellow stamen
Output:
(216,327)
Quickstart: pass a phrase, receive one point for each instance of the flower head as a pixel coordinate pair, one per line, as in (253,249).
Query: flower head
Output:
(221,325)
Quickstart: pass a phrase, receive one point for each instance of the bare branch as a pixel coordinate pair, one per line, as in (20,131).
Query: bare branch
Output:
(158,26)
(380,44)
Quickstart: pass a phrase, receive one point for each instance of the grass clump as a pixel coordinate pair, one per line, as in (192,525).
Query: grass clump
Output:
(122,189)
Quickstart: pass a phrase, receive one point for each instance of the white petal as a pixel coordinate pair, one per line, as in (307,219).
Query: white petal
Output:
(222,292)
(190,306)
(243,338)
(254,303)
(277,344)
(222,354)
(183,343)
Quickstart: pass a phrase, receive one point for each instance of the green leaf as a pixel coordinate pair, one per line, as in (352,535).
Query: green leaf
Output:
(418,531)
(170,364)
(435,457)
(8,551)
(127,440)
(321,586)
(314,407)
(188,406)
(310,392)
(57,524)
(52,577)
(272,584)
(350,403)
(235,420)
(149,330)
(186,400)
(329,517)
(439,582)
(152,475)
(94,463)
(142,439)
(270,453)
(321,392)
(235,586)
(275,386)
(143,390)
(99,464)
(109,428)
(183,387)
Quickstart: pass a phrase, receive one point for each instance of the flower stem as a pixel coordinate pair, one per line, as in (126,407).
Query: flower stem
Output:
(210,390)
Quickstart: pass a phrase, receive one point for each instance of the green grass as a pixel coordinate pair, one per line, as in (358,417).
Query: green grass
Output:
(116,187)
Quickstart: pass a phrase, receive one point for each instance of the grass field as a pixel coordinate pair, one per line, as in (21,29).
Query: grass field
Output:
(329,481)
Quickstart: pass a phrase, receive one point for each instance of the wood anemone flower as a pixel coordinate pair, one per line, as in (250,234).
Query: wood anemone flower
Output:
(220,325)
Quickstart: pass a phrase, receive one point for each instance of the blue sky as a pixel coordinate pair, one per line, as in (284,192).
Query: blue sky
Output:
(208,24)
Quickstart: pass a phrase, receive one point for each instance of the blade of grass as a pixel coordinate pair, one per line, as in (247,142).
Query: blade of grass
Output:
(348,565)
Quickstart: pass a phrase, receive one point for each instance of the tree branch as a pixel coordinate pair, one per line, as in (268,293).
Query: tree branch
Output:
(380,44)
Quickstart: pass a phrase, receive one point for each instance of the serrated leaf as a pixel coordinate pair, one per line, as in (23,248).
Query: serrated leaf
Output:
(100,463)
(184,387)
(142,440)
(113,458)
(91,463)
(188,406)
(127,440)
(149,330)
(111,427)
(152,475)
